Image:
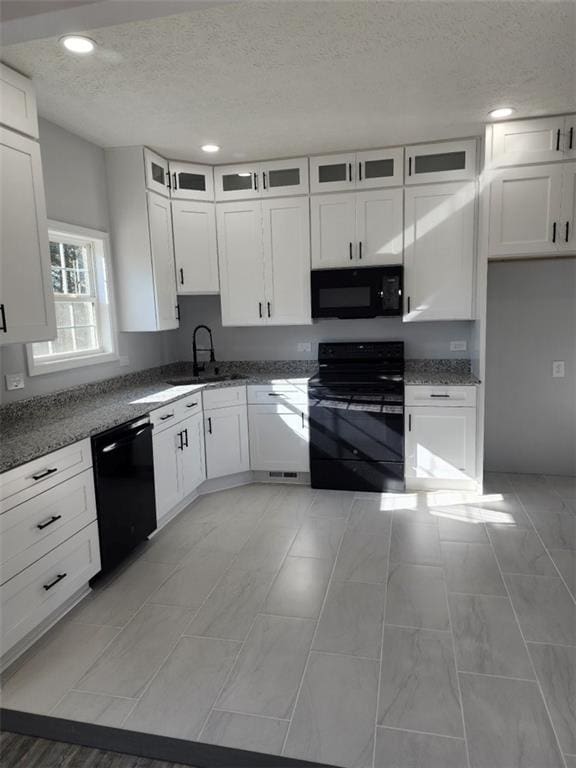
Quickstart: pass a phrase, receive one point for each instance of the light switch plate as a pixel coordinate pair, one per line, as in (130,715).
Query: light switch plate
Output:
(458,346)
(304,346)
(558,371)
(14,381)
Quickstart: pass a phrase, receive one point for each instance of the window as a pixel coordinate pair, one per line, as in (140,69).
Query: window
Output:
(84,318)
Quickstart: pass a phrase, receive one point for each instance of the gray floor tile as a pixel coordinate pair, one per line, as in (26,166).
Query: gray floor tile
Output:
(258,734)
(545,609)
(228,537)
(471,568)
(319,537)
(565,561)
(520,551)
(570,761)
(137,652)
(563,485)
(418,687)
(330,727)
(54,666)
(541,500)
(266,548)
(351,621)
(556,670)
(417,597)
(487,636)
(506,724)
(233,605)
(94,708)
(363,554)
(191,582)
(496,482)
(415,543)
(181,695)
(299,588)
(557,528)
(173,543)
(291,507)
(332,504)
(267,674)
(403,749)
(458,528)
(500,511)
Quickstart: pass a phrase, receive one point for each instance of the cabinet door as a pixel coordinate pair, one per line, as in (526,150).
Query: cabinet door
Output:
(333,226)
(444,161)
(26,299)
(237,182)
(379,227)
(162,247)
(284,177)
(567,230)
(191,181)
(157,173)
(226,434)
(192,456)
(520,142)
(18,101)
(441,443)
(525,211)
(380,168)
(286,230)
(241,263)
(195,250)
(167,470)
(279,438)
(333,173)
(439,251)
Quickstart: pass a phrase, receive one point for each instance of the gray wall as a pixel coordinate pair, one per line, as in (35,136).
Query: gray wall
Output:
(75,183)
(269,343)
(530,416)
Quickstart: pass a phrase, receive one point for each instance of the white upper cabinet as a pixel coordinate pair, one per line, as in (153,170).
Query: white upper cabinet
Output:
(286,231)
(275,178)
(439,251)
(356,170)
(525,211)
(189,181)
(195,251)
(333,228)
(162,248)
(542,140)
(26,299)
(17,102)
(441,161)
(157,173)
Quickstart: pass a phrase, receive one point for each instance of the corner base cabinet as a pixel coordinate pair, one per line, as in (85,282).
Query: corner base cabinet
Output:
(226,432)
(279,430)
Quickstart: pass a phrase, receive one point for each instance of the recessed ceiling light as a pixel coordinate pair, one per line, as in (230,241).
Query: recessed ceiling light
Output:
(78,44)
(210,148)
(501,112)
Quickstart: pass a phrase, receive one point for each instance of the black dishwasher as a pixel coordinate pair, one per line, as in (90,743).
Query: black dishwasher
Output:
(124,480)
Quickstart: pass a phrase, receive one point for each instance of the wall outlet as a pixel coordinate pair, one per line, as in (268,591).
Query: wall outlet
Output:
(458,346)
(124,360)
(304,346)
(14,381)
(558,371)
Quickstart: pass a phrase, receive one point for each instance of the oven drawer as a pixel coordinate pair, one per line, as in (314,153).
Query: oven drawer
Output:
(355,435)
(436,395)
(372,476)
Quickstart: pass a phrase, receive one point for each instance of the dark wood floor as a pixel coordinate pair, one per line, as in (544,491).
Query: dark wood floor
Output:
(28,752)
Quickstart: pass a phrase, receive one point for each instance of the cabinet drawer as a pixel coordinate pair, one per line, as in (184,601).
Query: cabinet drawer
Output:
(189,406)
(436,395)
(35,527)
(32,595)
(268,394)
(22,483)
(222,398)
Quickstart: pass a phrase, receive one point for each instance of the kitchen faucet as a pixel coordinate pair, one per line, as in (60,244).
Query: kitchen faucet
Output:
(197,368)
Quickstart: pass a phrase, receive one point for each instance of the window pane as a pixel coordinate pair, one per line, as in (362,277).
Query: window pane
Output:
(85,338)
(446,161)
(64,341)
(194,181)
(57,285)
(158,174)
(285,177)
(234,182)
(379,169)
(77,281)
(63,314)
(75,256)
(336,172)
(55,254)
(41,349)
(84,313)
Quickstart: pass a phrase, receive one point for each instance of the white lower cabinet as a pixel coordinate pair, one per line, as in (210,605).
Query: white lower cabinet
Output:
(226,435)
(279,437)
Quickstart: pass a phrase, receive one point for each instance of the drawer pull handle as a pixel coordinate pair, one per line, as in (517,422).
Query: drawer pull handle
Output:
(210,424)
(46,523)
(192,405)
(55,581)
(439,395)
(44,474)
(168,416)
(274,394)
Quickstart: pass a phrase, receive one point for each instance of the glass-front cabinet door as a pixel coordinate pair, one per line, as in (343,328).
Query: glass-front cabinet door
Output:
(333,173)
(237,182)
(380,168)
(157,173)
(284,177)
(191,181)
(442,161)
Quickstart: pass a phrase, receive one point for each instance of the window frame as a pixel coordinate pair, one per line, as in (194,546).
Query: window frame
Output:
(101,271)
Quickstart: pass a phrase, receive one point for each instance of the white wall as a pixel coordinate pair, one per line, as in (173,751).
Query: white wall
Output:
(530,416)
(75,183)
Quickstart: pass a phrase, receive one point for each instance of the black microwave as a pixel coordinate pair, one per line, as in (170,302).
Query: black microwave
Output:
(362,292)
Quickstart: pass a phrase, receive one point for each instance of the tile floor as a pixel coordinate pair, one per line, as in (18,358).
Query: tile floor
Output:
(404,631)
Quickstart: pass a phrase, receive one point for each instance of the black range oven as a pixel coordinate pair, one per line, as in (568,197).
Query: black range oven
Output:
(356,406)
(363,292)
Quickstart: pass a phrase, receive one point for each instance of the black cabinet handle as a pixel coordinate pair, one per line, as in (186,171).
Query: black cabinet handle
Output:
(567,234)
(44,474)
(558,140)
(268,306)
(360,171)
(264,180)
(3,318)
(186,437)
(433,395)
(55,581)
(259,309)
(174,183)
(168,184)
(554,232)
(409,422)
(571,139)
(409,166)
(192,405)
(53,519)
(177,311)
(349,171)
(274,394)
(408,303)
(350,250)
(181,437)
(168,416)
(360,249)
(256,182)
(181,276)
(303,425)
(210,424)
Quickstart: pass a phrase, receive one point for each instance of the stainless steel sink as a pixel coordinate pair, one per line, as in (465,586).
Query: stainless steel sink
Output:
(183,380)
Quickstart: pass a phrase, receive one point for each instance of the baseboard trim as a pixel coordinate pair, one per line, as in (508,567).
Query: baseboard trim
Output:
(146,745)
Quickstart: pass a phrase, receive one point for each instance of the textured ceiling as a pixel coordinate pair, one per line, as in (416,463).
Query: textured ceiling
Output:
(272,79)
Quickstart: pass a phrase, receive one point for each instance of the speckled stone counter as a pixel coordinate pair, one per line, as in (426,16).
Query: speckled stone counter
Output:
(444,372)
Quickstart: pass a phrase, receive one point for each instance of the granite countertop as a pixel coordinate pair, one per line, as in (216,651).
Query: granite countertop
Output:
(37,426)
